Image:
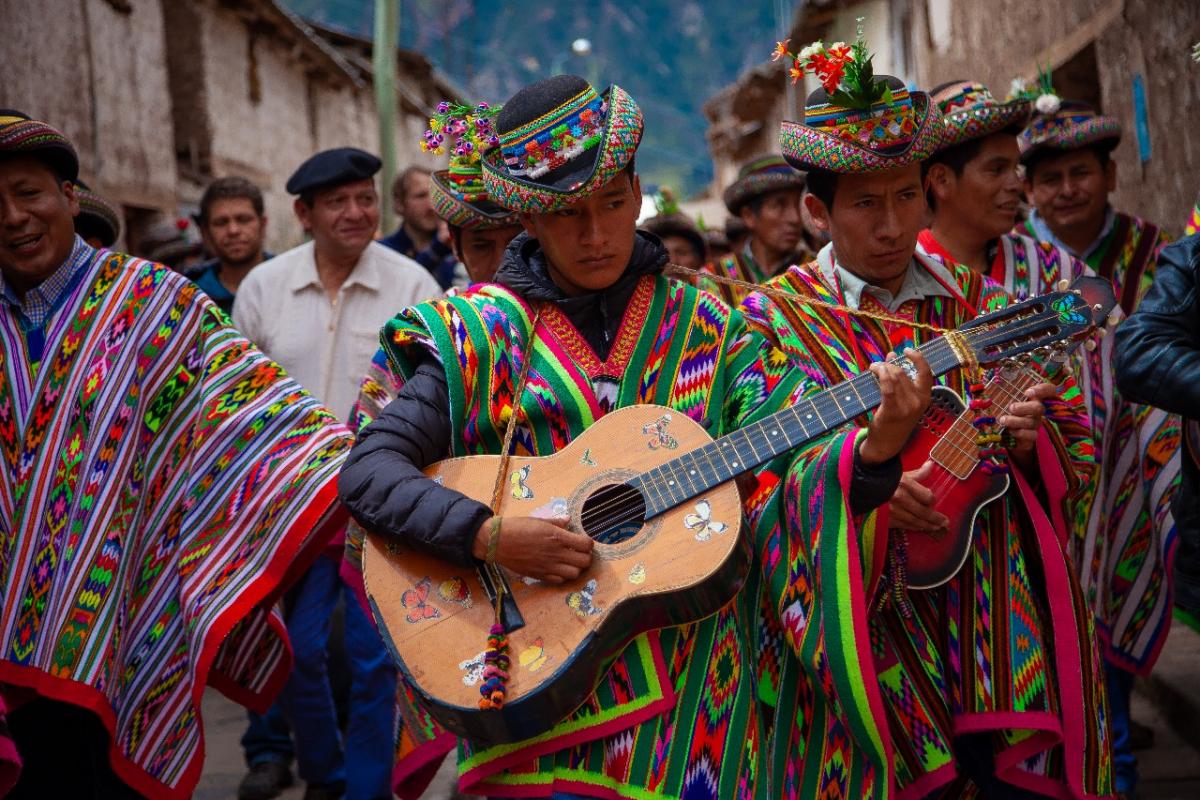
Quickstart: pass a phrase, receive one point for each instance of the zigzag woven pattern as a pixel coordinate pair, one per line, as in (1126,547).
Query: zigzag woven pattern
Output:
(159,480)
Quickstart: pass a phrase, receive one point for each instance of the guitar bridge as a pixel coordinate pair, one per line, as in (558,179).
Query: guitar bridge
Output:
(495,584)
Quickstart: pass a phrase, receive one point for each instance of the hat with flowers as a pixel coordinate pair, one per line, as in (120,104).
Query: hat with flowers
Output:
(969,111)
(559,141)
(856,121)
(1059,124)
(458,194)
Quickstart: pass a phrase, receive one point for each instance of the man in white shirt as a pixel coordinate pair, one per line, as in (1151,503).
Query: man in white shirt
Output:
(317,310)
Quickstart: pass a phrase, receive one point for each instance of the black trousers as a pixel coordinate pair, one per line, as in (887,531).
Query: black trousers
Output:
(64,753)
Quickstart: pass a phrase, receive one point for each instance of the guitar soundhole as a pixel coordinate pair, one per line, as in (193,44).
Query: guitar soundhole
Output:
(613,513)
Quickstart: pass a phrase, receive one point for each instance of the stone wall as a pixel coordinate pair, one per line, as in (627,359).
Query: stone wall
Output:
(100,75)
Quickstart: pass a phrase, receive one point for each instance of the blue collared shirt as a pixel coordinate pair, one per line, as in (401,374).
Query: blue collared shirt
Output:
(1043,233)
(39,303)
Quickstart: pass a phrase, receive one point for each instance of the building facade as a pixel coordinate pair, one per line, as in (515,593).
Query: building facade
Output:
(161,97)
(1130,58)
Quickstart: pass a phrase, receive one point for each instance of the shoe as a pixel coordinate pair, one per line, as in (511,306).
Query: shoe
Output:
(1141,737)
(329,791)
(265,780)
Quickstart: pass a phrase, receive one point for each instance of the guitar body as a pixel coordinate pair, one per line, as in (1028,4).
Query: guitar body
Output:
(961,490)
(681,566)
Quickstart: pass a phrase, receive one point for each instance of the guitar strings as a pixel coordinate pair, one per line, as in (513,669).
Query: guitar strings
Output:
(618,510)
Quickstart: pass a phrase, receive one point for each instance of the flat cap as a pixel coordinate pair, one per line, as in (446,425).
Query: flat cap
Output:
(333,168)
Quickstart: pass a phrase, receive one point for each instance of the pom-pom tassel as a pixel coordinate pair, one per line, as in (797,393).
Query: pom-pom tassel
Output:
(495,672)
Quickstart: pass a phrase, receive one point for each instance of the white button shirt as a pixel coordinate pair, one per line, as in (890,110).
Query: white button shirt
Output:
(282,307)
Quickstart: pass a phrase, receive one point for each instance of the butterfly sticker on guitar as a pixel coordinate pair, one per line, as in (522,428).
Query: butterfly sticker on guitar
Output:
(702,522)
(415,600)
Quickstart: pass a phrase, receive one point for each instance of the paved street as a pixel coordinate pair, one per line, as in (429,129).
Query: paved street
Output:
(1171,771)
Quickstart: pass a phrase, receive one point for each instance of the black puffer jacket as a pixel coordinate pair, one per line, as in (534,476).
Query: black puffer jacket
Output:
(1158,363)
(382,483)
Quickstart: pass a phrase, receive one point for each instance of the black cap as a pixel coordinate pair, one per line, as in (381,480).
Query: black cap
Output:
(333,168)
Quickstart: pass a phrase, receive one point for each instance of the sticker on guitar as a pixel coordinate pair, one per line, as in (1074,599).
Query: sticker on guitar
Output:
(702,522)
(415,600)
(659,436)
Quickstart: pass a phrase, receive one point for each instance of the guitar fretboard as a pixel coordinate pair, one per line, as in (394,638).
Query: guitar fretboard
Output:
(697,471)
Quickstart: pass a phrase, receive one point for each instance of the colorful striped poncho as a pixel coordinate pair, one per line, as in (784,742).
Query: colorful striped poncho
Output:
(742,267)
(163,481)
(1006,646)
(675,715)
(1124,531)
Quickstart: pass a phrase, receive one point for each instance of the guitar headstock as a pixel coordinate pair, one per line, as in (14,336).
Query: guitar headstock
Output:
(1050,324)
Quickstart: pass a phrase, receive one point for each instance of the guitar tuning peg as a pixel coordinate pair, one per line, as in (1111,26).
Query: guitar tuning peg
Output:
(1090,344)
(1113,319)
(1063,285)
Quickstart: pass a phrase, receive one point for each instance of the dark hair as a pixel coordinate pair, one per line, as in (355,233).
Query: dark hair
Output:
(1102,151)
(400,184)
(230,188)
(956,157)
(822,184)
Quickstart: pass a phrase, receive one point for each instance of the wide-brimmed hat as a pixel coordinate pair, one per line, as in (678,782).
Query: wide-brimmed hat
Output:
(97,217)
(560,141)
(458,194)
(759,176)
(856,121)
(677,224)
(1073,125)
(905,128)
(969,111)
(21,135)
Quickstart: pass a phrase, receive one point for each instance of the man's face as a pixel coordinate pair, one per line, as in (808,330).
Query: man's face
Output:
(987,195)
(481,251)
(776,224)
(588,243)
(415,208)
(37,221)
(234,230)
(874,221)
(1071,189)
(342,219)
(682,252)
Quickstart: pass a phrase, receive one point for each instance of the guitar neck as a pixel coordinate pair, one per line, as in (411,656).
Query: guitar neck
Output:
(695,472)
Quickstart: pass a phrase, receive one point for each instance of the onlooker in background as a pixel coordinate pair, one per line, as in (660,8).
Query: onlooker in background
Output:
(98,223)
(735,233)
(166,242)
(685,243)
(232,223)
(317,309)
(420,235)
(766,197)
(480,230)
(718,243)
(1069,175)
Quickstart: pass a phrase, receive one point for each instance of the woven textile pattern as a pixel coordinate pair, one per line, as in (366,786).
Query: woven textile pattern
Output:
(676,714)
(895,138)
(161,479)
(451,207)
(1067,132)
(977,648)
(1124,531)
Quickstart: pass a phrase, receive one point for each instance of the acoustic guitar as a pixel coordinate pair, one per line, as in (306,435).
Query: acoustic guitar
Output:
(657,495)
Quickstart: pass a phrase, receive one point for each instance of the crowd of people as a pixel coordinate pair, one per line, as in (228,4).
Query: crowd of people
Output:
(194,453)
